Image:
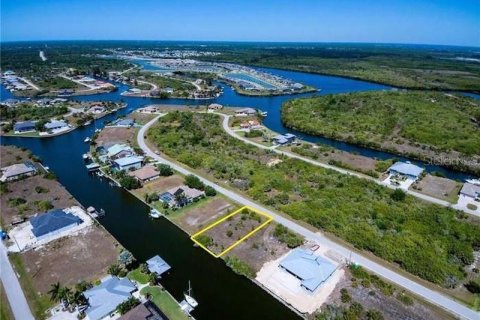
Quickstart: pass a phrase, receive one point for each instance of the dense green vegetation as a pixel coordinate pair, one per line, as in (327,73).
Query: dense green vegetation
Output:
(416,123)
(165,302)
(240,267)
(424,239)
(291,239)
(414,67)
(29,112)
(56,83)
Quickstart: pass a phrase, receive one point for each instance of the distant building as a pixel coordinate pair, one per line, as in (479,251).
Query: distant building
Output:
(104,298)
(145,174)
(17,171)
(97,109)
(157,265)
(26,126)
(406,169)
(310,269)
(127,163)
(52,222)
(215,106)
(471,190)
(283,139)
(56,125)
(181,196)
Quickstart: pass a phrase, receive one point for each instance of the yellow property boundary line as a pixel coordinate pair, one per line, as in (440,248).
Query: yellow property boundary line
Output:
(269,219)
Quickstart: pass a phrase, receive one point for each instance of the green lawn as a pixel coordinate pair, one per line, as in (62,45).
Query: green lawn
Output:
(5,311)
(138,276)
(165,302)
(38,303)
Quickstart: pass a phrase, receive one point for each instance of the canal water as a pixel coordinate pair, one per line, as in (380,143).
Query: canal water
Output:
(221,293)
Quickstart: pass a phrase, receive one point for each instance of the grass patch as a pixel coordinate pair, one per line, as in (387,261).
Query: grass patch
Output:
(165,302)
(39,303)
(5,310)
(138,276)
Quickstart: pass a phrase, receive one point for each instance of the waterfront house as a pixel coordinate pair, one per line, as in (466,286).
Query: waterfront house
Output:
(124,123)
(471,191)
(283,139)
(56,125)
(180,196)
(245,112)
(146,173)
(25,126)
(406,169)
(104,298)
(157,265)
(310,269)
(214,106)
(17,171)
(128,163)
(251,124)
(52,222)
(97,109)
(118,151)
(144,311)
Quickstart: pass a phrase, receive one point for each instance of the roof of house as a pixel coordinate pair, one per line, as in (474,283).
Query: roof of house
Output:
(23,125)
(246,110)
(128,161)
(125,122)
(105,297)
(55,124)
(312,270)
(158,265)
(145,173)
(189,192)
(406,168)
(44,223)
(470,189)
(117,148)
(145,311)
(18,169)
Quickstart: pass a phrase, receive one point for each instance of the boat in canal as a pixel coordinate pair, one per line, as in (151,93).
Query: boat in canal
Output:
(189,304)
(87,139)
(154,213)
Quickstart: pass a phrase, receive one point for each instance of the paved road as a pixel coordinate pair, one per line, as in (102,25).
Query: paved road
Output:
(422,196)
(30,83)
(15,296)
(427,294)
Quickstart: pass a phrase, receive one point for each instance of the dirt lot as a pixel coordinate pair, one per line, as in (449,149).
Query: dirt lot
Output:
(72,259)
(116,135)
(10,155)
(438,187)
(208,212)
(158,185)
(390,306)
(141,118)
(260,248)
(234,228)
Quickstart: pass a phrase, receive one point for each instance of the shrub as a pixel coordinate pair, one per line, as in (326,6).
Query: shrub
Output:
(126,306)
(345,296)
(129,182)
(284,235)
(240,267)
(473,287)
(210,191)
(194,182)
(398,195)
(40,189)
(164,169)
(204,240)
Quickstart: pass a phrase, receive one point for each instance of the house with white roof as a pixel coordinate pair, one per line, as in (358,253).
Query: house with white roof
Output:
(128,163)
(17,171)
(406,169)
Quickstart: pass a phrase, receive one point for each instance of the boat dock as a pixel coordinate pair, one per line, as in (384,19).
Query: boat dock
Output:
(93,167)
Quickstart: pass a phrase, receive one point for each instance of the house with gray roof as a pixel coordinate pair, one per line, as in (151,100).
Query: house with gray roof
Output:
(282,139)
(406,169)
(157,265)
(104,298)
(119,150)
(471,190)
(310,269)
(52,222)
(55,125)
(17,171)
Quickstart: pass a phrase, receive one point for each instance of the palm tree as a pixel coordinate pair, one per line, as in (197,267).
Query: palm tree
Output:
(55,291)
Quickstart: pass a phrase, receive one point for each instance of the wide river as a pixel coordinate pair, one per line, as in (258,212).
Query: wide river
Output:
(221,293)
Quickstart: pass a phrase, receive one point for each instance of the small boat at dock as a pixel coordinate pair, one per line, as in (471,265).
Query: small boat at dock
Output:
(85,156)
(87,139)
(189,304)
(94,213)
(155,214)
(474,181)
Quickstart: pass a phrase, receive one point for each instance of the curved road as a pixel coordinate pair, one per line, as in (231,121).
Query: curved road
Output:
(427,294)
(422,196)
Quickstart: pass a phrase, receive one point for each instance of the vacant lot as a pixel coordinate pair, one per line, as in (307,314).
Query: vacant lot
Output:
(10,155)
(203,215)
(220,237)
(141,118)
(438,187)
(69,260)
(116,135)
(159,185)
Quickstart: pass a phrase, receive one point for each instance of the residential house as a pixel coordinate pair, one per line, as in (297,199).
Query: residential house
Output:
(471,190)
(406,169)
(25,126)
(144,311)
(310,269)
(97,109)
(146,173)
(17,171)
(104,298)
(157,265)
(118,151)
(128,163)
(214,107)
(283,139)
(52,222)
(124,123)
(56,125)
(251,124)
(181,196)
(245,112)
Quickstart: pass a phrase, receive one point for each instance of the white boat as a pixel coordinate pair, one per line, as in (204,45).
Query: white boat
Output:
(87,139)
(87,123)
(98,130)
(154,214)
(188,297)
(474,181)
(85,156)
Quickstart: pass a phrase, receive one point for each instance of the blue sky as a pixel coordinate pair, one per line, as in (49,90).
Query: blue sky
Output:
(394,21)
